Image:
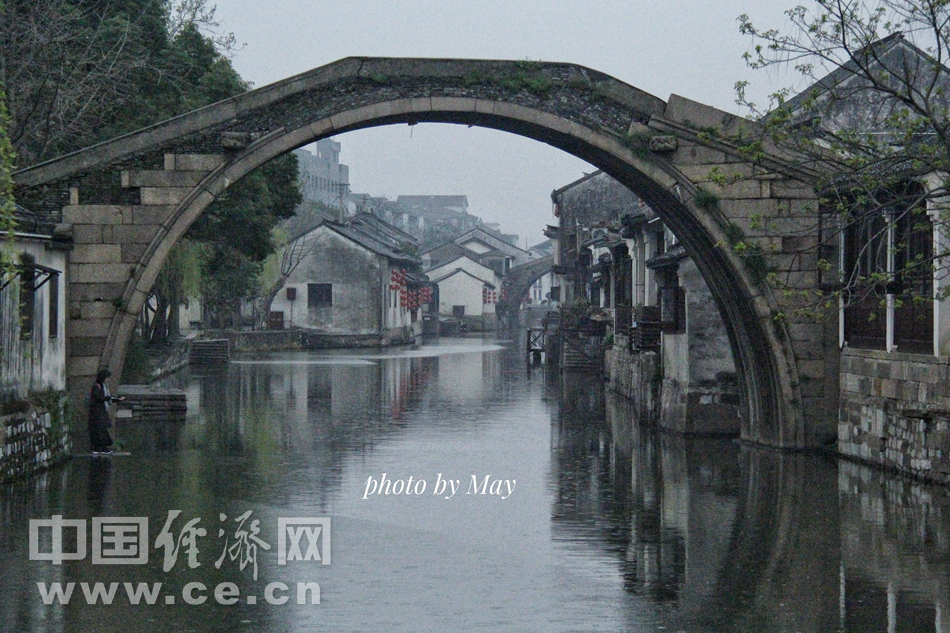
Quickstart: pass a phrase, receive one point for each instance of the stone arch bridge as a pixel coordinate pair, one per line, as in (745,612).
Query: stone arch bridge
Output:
(518,282)
(127,201)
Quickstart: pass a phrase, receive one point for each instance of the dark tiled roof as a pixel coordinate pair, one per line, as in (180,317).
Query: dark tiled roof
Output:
(489,238)
(850,69)
(462,270)
(377,246)
(30,222)
(379,225)
(560,190)
(674,255)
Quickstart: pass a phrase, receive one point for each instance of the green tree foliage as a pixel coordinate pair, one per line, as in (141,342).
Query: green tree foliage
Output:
(237,232)
(229,279)
(81,71)
(69,66)
(243,216)
(84,71)
(7,208)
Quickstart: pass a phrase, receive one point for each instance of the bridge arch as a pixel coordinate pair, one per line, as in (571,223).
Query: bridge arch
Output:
(518,282)
(129,200)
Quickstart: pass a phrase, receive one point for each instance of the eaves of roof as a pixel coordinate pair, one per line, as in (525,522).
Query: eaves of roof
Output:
(462,270)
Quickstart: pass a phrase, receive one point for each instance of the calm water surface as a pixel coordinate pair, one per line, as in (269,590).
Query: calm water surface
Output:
(606,527)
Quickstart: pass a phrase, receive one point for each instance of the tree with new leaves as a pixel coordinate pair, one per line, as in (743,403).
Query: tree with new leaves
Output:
(872,117)
(7,162)
(7,207)
(79,72)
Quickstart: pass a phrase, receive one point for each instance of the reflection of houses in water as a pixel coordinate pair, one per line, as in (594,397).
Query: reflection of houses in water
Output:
(311,403)
(329,403)
(683,513)
(591,472)
(895,552)
(739,538)
(466,377)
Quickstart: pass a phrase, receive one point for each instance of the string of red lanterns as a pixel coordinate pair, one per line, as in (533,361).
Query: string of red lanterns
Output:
(409,299)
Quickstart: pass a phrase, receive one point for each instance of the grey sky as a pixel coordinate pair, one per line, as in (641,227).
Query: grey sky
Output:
(687,47)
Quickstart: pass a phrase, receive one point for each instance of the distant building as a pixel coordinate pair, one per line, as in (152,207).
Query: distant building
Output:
(353,287)
(495,229)
(432,219)
(469,270)
(467,291)
(322,177)
(480,245)
(493,250)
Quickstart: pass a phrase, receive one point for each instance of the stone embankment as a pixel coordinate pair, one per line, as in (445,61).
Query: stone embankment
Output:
(895,412)
(32,439)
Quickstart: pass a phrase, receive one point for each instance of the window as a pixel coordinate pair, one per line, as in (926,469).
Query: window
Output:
(913,283)
(319,295)
(888,275)
(673,309)
(27,296)
(54,306)
(865,259)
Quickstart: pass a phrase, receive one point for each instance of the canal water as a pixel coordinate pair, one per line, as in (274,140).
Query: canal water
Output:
(537,505)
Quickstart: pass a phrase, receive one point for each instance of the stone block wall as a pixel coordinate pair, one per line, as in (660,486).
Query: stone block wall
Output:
(30,443)
(636,376)
(895,412)
(708,408)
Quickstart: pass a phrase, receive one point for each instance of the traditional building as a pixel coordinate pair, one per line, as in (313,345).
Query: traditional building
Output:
(894,318)
(32,314)
(492,249)
(33,428)
(353,287)
(469,270)
(616,264)
(468,298)
(467,290)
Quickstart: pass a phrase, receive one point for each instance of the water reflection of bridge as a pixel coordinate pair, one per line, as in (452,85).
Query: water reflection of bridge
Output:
(729,537)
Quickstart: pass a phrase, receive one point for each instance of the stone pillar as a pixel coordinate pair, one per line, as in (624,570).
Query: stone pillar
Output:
(941,240)
(112,246)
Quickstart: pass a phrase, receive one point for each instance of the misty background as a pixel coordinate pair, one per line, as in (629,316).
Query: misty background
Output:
(690,47)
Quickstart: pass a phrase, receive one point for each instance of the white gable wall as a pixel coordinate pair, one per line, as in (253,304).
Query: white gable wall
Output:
(470,265)
(355,275)
(477,246)
(462,289)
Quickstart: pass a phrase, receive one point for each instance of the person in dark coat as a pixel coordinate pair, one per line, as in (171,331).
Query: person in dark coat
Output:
(99,418)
